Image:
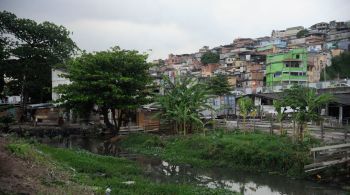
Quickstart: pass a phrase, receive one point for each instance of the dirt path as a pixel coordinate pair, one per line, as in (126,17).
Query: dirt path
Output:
(16,175)
(24,176)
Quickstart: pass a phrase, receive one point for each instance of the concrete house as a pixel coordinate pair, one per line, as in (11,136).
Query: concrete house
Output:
(287,68)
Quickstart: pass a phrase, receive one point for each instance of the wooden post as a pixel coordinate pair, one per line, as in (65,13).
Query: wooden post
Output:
(294,136)
(340,115)
(254,125)
(129,123)
(346,130)
(322,130)
(271,125)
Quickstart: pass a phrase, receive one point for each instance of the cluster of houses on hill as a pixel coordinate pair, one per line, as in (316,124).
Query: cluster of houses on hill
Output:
(293,55)
(264,65)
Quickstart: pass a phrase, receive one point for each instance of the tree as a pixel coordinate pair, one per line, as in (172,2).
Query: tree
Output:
(182,103)
(246,105)
(218,85)
(302,33)
(5,120)
(28,51)
(210,57)
(112,79)
(339,69)
(306,103)
(280,108)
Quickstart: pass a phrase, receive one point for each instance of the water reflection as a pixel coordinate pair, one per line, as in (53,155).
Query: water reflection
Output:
(233,180)
(239,181)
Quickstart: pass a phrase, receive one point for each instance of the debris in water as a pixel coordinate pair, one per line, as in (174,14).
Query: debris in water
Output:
(108,191)
(128,182)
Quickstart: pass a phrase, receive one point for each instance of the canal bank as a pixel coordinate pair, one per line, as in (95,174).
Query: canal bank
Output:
(76,171)
(184,165)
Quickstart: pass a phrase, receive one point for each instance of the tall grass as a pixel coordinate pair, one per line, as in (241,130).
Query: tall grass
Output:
(253,151)
(99,172)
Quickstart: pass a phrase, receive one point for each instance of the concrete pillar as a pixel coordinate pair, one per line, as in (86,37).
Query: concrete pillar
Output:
(340,115)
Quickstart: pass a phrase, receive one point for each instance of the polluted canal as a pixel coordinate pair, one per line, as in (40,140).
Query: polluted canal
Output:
(233,180)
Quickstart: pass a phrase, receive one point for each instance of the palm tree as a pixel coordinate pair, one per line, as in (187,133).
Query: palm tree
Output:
(305,102)
(245,107)
(182,103)
(280,109)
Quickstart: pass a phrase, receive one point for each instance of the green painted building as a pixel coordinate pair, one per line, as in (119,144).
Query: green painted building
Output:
(286,68)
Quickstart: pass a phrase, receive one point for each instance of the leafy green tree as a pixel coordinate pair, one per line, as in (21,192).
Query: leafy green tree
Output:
(302,33)
(306,103)
(3,56)
(5,120)
(28,51)
(280,108)
(210,57)
(113,80)
(246,105)
(218,85)
(182,103)
(340,67)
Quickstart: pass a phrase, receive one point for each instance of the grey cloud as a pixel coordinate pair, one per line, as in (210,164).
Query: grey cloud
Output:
(178,26)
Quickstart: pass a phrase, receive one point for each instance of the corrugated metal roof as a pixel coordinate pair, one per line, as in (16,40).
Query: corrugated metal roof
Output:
(342,99)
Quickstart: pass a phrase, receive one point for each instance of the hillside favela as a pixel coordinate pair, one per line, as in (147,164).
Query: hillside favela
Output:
(160,97)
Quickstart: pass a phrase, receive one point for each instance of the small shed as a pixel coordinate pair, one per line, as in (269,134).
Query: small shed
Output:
(46,113)
(146,117)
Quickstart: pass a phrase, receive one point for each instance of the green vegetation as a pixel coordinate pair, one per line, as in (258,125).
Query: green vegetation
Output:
(209,58)
(112,79)
(218,85)
(252,151)
(306,103)
(98,172)
(339,69)
(5,120)
(302,33)
(28,51)
(246,106)
(182,102)
(280,108)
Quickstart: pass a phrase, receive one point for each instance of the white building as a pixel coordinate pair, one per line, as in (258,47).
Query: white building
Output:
(57,80)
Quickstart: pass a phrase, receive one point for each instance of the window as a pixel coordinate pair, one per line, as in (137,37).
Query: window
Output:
(277,74)
(292,64)
(297,73)
(297,56)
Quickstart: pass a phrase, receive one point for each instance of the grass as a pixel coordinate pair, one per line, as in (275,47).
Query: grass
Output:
(252,151)
(98,172)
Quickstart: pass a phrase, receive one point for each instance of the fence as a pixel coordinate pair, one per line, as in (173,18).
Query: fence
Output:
(331,134)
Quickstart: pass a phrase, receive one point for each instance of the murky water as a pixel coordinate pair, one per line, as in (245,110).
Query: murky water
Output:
(163,171)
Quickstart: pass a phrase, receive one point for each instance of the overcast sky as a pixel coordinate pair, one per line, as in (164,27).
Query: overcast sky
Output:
(174,26)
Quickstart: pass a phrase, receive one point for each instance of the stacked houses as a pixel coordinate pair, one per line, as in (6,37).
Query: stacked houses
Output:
(293,55)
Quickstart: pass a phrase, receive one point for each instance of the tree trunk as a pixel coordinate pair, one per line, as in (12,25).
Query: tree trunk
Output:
(23,100)
(104,111)
(2,82)
(301,132)
(184,126)
(281,127)
(120,118)
(115,128)
(175,127)
(244,123)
